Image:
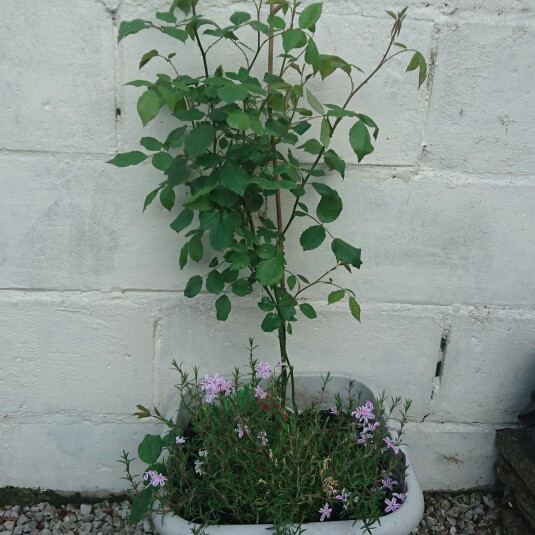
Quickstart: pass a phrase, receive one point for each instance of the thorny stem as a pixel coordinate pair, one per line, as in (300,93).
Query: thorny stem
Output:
(198,39)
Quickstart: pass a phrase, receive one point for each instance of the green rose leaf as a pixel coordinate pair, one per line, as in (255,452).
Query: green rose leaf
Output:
(242,287)
(234,178)
(215,282)
(222,307)
(295,38)
(312,237)
(150,449)
(308,311)
(354,308)
(196,248)
(193,287)
(418,62)
(148,106)
(335,296)
(221,235)
(232,93)
(310,16)
(335,163)
(150,143)
(239,17)
(330,205)
(269,272)
(177,33)
(150,197)
(271,322)
(124,159)
(346,253)
(368,121)
(199,139)
(147,57)
(315,104)
(266,304)
(129,27)
(183,220)
(239,120)
(325,133)
(359,137)
(162,161)
(312,56)
(167,197)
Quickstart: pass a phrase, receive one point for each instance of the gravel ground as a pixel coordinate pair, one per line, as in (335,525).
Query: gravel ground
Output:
(446,514)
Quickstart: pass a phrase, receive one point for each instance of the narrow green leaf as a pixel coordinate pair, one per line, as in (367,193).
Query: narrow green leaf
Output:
(193,287)
(183,257)
(199,139)
(325,133)
(124,159)
(150,449)
(150,197)
(148,106)
(310,16)
(354,308)
(177,33)
(312,146)
(215,282)
(368,121)
(222,307)
(334,162)
(308,311)
(291,281)
(183,220)
(335,296)
(312,237)
(315,103)
(166,16)
(312,56)
(346,253)
(360,140)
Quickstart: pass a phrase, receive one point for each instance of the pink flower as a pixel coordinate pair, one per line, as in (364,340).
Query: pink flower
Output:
(390,444)
(158,479)
(364,413)
(344,496)
(180,440)
(150,474)
(259,392)
(333,410)
(325,512)
(203,453)
(241,430)
(401,496)
(226,387)
(263,438)
(388,483)
(198,465)
(279,366)
(263,370)
(391,505)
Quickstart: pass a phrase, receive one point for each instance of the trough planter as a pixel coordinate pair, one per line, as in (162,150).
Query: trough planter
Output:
(401,522)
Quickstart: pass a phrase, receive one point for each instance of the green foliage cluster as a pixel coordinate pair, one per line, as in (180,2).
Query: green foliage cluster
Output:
(279,470)
(241,140)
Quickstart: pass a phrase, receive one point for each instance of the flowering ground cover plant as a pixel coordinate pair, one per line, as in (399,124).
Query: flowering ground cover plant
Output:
(246,459)
(244,142)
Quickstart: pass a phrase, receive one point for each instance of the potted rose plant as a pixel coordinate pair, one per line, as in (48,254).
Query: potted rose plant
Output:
(265,447)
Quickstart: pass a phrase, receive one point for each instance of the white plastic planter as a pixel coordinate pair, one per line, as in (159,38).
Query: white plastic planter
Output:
(401,522)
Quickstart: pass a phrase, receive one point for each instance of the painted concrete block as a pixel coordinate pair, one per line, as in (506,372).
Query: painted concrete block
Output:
(58,81)
(74,355)
(394,349)
(489,366)
(69,456)
(481,107)
(452,456)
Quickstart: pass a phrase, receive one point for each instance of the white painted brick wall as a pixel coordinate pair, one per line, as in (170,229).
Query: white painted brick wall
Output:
(91,304)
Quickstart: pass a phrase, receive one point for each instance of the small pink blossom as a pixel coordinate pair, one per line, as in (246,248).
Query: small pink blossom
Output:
(241,430)
(401,496)
(279,366)
(158,479)
(198,465)
(333,410)
(325,512)
(203,453)
(391,505)
(260,393)
(180,440)
(150,474)
(388,483)
(364,413)
(344,496)
(263,370)
(391,445)
(262,436)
